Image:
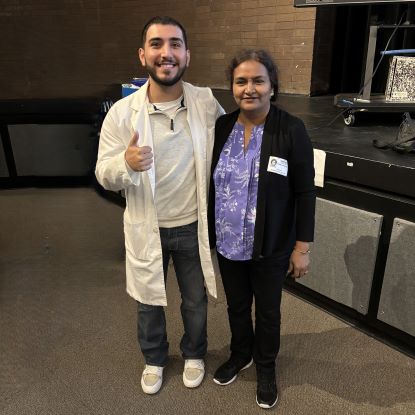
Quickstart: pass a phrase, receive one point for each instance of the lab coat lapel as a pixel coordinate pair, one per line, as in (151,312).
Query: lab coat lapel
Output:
(196,121)
(141,124)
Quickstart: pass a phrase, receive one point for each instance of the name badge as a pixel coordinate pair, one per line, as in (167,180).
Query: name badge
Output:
(278,165)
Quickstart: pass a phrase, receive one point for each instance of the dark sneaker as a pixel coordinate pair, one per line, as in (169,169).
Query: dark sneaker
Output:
(267,392)
(228,372)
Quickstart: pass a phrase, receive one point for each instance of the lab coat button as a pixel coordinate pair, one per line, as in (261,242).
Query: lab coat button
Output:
(155,229)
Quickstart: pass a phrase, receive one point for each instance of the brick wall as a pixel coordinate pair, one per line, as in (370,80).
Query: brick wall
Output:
(76,48)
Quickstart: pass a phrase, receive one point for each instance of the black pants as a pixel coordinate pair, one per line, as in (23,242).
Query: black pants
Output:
(262,279)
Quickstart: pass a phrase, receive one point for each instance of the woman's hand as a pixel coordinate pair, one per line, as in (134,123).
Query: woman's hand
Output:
(299,262)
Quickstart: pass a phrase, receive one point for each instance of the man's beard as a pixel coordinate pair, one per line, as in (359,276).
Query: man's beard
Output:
(165,82)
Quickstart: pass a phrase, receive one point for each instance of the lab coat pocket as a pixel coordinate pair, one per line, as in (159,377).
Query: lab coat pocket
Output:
(136,239)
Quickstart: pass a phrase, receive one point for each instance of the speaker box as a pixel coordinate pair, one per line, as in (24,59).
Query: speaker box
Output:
(344,254)
(397,300)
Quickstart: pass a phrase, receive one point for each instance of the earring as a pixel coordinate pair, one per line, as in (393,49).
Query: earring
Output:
(272,93)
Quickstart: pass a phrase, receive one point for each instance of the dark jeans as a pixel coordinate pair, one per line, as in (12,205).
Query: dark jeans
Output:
(182,245)
(244,280)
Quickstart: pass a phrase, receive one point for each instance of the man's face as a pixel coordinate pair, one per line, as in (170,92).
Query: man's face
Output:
(164,54)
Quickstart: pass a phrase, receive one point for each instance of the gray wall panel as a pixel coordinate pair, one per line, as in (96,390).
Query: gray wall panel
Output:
(397,300)
(344,254)
(53,150)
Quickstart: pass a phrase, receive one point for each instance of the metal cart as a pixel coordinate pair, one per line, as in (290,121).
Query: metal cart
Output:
(367,102)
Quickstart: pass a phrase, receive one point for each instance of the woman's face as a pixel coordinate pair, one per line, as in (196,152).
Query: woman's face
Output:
(252,87)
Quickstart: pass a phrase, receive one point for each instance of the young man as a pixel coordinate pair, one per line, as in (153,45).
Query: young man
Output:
(156,144)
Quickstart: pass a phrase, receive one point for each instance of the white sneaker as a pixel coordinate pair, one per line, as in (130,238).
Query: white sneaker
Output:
(193,373)
(151,379)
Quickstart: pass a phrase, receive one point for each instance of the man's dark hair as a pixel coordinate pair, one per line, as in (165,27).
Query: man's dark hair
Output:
(164,20)
(261,56)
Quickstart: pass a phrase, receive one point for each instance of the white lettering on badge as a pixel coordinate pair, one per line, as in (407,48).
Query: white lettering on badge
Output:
(278,165)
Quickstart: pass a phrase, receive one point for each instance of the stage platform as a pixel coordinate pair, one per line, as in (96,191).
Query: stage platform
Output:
(350,154)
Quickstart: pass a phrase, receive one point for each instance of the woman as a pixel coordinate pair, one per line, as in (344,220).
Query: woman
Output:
(261,215)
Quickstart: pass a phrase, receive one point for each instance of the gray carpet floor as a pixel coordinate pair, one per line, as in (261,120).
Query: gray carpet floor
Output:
(68,330)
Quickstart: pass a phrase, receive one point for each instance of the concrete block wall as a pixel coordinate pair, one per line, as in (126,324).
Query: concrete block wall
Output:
(82,48)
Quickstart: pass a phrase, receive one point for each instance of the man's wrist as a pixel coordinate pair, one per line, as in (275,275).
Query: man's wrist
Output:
(128,167)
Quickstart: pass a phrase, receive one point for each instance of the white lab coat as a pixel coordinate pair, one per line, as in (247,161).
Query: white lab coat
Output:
(144,267)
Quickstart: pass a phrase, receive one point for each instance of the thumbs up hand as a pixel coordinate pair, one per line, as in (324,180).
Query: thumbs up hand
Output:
(138,158)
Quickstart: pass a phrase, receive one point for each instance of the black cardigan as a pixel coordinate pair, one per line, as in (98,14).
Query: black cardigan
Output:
(285,204)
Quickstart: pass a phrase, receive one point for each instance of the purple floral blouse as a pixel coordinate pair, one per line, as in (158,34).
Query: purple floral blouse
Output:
(236,187)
